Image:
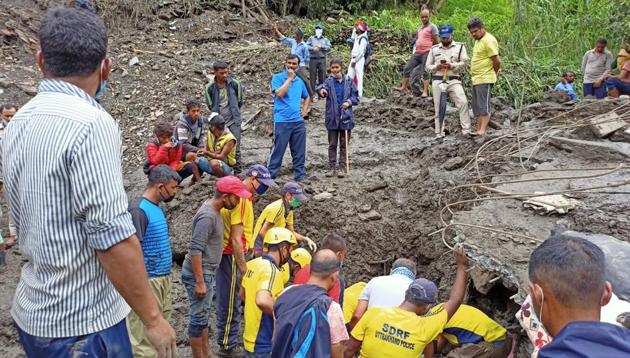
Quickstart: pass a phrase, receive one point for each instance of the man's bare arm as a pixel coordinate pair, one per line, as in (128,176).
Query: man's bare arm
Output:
(237,247)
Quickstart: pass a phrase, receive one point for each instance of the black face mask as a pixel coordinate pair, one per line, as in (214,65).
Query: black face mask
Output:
(262,188)
(166,198)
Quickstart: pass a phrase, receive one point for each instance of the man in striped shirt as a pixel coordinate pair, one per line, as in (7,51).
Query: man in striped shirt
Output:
(61,163)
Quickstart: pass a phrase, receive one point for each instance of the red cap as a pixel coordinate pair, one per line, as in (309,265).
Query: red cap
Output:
(233,185)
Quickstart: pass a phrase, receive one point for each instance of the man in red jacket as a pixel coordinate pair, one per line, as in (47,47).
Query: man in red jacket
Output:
(336,244)
(163,150)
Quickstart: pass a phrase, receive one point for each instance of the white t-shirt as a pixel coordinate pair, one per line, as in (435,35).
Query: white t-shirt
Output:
(387,291)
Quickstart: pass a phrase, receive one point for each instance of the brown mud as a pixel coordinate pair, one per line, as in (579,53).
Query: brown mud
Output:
(390,206)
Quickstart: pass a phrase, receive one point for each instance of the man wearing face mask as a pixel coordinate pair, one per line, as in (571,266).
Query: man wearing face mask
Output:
(570,308)
(238,238)
(307,319)
(152,231)
(262,284)
(280,214)
(84,264)
(341,94)
(204,256)
(318,47)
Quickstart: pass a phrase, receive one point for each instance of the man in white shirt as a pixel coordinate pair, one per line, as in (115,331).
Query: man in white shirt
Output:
(386,291)
(357,63)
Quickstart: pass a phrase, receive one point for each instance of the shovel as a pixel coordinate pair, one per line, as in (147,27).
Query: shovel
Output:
(443,99)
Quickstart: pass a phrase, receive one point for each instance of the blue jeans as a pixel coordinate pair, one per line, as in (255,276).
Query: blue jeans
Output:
(590,90)
(204,165)
(112,342)
(292,134)
(200,308)
(227,170)
(257,355)
(622,86)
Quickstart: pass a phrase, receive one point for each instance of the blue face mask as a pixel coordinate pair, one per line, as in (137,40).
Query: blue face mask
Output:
(101,91)
(262,188)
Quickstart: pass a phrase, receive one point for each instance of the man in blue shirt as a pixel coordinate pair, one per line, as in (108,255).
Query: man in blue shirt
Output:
(566,85)
(291,104)
(299,48)
(568,288)
(152,231)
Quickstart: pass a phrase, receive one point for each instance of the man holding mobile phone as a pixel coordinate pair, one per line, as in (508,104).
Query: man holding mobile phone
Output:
(445,63)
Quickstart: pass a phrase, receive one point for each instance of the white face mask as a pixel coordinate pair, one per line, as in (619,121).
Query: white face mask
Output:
(319,32)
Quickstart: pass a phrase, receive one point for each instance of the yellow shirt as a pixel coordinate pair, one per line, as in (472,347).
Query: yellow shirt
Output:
(243,213)
(481,67)
(275,214)
(396,333)
(351,300)
(262,274)
(216,145)
(470,325)
(285,274)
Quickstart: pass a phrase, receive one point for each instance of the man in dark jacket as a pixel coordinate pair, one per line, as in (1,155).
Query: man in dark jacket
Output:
(188,132)
(225,96)
(308,321)
(341,94)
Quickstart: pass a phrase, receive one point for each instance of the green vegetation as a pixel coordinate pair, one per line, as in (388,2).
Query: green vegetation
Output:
(539,39)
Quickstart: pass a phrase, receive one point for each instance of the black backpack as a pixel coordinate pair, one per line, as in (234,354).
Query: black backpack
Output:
(368,53)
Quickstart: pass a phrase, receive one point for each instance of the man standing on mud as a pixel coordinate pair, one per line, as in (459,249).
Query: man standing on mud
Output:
(290,106)
(356,70)
(204,256)
(318,47)
(449,58)
(427,37)
(238,229)
(83,258)
(485,67)
(152,231)
(225,96)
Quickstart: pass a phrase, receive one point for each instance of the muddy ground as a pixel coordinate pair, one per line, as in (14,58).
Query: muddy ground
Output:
(392,203)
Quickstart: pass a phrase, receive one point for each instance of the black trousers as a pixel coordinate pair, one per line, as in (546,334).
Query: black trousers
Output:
(337,138)
(317,71)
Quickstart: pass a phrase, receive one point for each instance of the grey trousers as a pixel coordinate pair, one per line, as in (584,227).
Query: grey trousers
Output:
(317,71)
(235,128)
(337,138)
